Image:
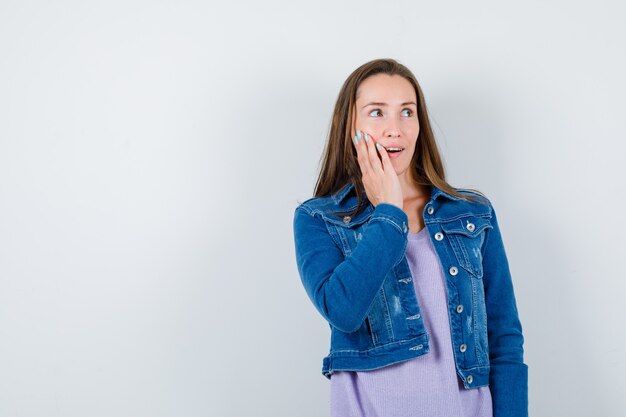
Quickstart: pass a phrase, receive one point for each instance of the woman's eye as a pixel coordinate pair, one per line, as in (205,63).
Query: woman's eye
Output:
(410,112)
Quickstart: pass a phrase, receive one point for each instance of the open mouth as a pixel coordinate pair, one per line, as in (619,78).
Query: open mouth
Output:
(394,152)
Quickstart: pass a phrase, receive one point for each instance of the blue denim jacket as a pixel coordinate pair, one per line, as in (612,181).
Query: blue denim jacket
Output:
(355,272)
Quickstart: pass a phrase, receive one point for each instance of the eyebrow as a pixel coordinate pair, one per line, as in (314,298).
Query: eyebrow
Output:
(384,104)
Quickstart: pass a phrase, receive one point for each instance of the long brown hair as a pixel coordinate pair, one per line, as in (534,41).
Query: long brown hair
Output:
(340,165)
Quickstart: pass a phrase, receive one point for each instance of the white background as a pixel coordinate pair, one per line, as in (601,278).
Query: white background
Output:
(152,154)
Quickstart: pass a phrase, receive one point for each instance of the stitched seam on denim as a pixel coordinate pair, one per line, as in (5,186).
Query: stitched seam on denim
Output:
(341,223)
(349,208)
(474,327)
(333,235)
(454,243)
(372,331)
(395,287)
(476,367)
(464,252)
(305,208)
(379,347)
(452,317)
(458,216)
(402,252)
(388,316)
(344,241)
(338,196)
(312,213)
(421,352)
(472,235)
(480,352)
(485,334)
(460,252)
(385,219)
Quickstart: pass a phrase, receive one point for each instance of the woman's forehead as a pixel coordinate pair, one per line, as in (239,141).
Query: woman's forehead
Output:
(386,91)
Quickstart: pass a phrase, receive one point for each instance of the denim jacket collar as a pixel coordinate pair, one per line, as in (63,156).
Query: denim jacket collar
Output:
(435,192)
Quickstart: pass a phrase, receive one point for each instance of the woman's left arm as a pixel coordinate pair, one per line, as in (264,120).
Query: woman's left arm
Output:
(508,379)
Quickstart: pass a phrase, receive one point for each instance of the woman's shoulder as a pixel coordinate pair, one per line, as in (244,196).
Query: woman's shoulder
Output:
(472,202)
(315,203)
(472,191)
(475,196)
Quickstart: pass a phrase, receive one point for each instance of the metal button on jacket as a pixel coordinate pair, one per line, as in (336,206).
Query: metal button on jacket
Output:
(453,270)
(430,210)
(438,235)
(470,227)
(459,308)
(470,379)
(463,347)
(404,226)
(347,219)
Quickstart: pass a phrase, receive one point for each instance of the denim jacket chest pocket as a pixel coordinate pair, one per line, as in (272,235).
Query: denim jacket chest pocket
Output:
(467,235)
(347,230)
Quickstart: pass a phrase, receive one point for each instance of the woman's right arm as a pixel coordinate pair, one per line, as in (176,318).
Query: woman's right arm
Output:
(343,288)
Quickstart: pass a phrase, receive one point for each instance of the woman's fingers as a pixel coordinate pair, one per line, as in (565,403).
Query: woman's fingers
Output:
(373,155)
(361,153)
(384,156)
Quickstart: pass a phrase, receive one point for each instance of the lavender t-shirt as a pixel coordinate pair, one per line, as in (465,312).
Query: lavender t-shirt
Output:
(424,386)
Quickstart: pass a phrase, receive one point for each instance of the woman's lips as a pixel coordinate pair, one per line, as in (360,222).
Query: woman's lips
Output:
(394,155)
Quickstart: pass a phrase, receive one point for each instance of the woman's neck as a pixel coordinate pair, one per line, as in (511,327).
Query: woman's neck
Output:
(411,191)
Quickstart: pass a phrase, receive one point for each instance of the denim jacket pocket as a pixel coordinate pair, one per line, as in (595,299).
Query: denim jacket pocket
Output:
(347,229)
(467,235)
(379,320)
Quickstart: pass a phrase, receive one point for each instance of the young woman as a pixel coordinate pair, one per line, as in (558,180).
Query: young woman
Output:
(410,273)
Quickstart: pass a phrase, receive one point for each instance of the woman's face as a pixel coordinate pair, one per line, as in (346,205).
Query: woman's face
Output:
(386,109)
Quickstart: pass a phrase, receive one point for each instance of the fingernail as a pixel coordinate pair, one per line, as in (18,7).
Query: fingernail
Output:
(356,140)
(366,138)
(358,133)
(378,146)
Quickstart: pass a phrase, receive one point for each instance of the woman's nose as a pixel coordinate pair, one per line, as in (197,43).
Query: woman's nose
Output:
(391,130)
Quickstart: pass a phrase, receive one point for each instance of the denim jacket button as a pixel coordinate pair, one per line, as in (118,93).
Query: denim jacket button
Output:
(470,227)
(404,226)
(463,347)
(347,219)
(430,210)
(438,235)
(453,270)
(459,308)
(470,379)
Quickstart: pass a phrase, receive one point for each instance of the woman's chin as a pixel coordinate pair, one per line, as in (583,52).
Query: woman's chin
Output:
(398,166)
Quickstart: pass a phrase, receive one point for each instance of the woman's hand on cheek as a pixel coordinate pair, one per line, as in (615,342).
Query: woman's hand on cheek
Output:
(379,178)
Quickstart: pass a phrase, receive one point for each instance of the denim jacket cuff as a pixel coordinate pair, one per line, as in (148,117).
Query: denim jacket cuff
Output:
(392,214)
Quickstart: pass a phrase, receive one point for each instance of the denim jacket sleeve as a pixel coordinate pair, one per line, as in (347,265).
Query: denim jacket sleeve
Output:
(343,288)
(508,379)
